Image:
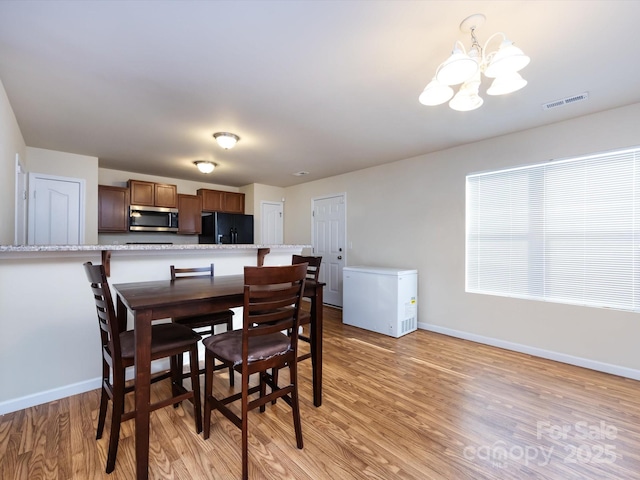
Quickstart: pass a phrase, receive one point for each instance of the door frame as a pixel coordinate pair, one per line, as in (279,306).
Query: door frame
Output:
(30,204)
(20,226)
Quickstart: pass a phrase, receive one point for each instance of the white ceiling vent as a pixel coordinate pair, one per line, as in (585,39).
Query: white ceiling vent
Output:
(300,174)
(565,101)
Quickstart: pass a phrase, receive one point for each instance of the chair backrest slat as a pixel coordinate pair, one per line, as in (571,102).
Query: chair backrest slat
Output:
(109,334)
(177,273)
(313,270)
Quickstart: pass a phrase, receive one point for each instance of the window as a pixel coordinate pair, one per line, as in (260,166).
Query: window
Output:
(564,231)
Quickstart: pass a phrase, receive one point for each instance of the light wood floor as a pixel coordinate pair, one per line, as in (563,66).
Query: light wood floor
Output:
(424,406)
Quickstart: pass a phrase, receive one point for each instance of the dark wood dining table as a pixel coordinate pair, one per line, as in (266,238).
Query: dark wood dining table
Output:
(149,301)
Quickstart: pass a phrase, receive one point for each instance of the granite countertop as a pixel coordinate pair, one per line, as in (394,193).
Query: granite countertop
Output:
(137,247)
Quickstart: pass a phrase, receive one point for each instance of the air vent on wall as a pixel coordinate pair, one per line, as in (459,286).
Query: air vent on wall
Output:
(566,101)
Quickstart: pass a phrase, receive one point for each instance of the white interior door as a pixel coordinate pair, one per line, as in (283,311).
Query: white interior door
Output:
(329,242)
(271,228)
(56,210)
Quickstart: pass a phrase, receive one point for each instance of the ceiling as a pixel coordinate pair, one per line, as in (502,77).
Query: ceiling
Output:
(326,87)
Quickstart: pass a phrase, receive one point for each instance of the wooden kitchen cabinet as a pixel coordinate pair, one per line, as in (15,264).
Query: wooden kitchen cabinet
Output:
(166,195)
(142,193)
(113,209)
(189,214)
(233,202)
(221,201)
(212,200)
(153,194)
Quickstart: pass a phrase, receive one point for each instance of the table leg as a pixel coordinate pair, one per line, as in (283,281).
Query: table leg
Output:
(316,345)
(121,314)
(142,328)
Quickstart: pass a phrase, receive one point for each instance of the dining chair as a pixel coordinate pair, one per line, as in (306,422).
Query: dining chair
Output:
(271,306)
(118,348)
(198,322)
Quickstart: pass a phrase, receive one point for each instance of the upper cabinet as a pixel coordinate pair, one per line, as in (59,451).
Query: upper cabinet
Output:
(190,214)
(113,206)
(220,201)
(166,195)
(153,194)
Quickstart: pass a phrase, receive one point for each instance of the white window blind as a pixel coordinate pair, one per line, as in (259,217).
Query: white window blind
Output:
(565,231)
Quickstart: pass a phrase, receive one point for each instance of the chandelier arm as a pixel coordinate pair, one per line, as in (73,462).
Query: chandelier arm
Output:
(484,48)
(458,42)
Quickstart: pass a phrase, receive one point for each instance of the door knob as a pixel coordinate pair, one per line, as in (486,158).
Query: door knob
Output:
(339,257)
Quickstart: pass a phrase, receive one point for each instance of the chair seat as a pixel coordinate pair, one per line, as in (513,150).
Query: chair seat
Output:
(228,346)
(197,321)
(165,336)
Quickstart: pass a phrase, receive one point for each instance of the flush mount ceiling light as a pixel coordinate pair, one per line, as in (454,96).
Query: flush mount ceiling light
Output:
(226,140)
(466,68)
(205,166)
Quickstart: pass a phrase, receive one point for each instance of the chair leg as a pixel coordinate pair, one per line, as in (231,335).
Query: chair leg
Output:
(295,405)
(116,419)
(231,371)
(263,388)
(104,400)
(195,386)
(274,377)
(245,426)
(180,367)
(231,377)
(176,376)
(208,390)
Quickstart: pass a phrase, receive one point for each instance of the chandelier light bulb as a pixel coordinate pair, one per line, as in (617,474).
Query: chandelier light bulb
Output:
(506,84)
(508,59)
(457,68)
(435,93)
(467,98)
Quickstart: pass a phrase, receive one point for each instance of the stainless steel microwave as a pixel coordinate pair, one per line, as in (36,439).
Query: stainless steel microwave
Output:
(152,219)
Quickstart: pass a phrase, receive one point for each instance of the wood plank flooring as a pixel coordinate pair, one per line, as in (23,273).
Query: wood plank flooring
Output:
(424,406)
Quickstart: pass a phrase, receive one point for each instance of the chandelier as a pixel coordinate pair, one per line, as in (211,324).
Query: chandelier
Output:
(465,68)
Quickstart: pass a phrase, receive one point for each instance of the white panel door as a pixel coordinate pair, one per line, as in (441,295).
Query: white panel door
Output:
(56,212)
(329,242)
(272,223)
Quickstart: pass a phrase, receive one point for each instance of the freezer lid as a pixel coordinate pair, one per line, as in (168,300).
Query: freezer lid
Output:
(380,270)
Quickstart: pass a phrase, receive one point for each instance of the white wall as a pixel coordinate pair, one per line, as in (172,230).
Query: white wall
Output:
(412,214)
(64,164)
(11,143)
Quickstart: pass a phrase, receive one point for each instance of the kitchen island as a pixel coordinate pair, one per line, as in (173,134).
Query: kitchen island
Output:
(50,347)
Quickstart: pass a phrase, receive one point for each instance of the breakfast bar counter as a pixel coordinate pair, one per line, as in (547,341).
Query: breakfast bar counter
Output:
(50,344)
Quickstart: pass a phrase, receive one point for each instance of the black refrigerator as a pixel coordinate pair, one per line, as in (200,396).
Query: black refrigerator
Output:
(226,228)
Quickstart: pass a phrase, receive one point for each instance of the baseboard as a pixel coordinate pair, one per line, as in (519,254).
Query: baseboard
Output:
(46,396)
(537,352)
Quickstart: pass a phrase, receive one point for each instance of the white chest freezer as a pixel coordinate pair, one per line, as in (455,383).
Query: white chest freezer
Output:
(383,300)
